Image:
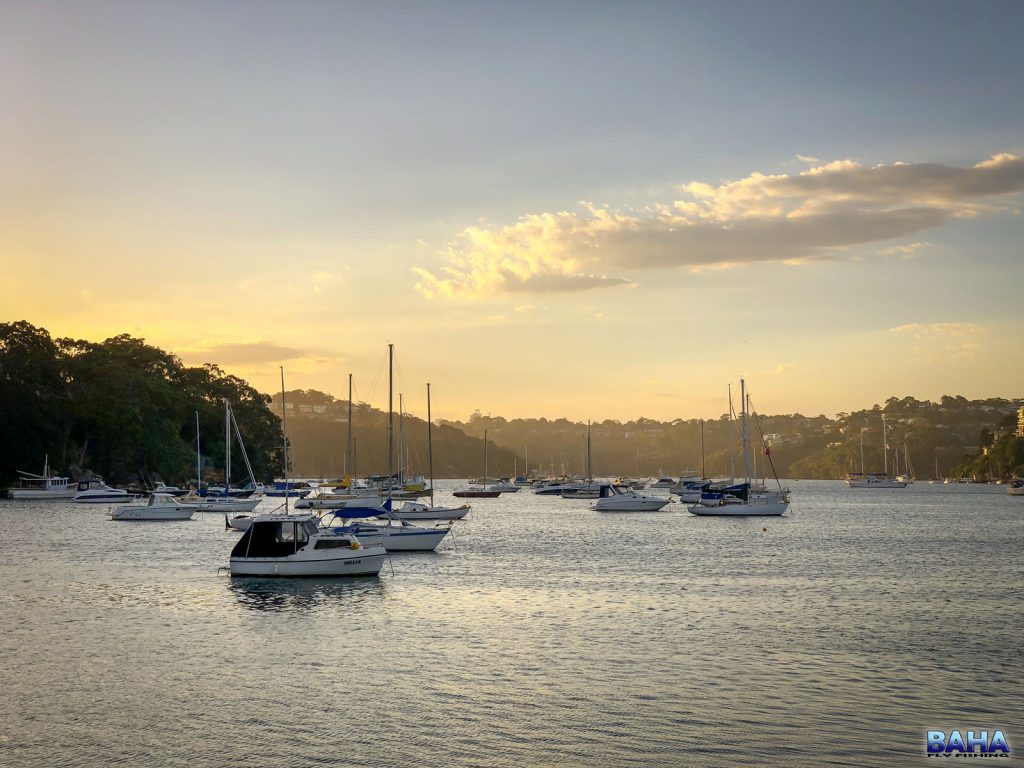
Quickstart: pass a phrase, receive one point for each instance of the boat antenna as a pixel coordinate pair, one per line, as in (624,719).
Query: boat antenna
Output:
(284,442)
(227,447)
(430,448)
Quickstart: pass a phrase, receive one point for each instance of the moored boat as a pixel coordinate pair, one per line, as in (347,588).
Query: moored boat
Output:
(294,546)
(159,506)
(616,499)
(44,486)
(95,491)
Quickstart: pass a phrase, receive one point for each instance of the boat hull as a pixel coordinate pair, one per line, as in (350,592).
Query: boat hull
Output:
(477,494)
(647,506)
(33,494)
(351,563)
(764,509)
(146,513)
(433,513)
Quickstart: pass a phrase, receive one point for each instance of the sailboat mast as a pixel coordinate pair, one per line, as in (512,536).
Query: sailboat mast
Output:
(732,455)
(526,471)
(430,448)
(862,451)
(590,472)
(703,471)
(227,447)
(401,439)
(885,446)
(284,443)
(199,464)
(743,430)
(485,455)
(391,414)
(348,445)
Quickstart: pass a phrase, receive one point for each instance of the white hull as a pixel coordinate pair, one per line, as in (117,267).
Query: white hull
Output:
(361,562)
(397,539)
(1014,491)
(629,505)
(40,494)
(753,509)
(877,483)
(238,522)
(147,513)
(423,512)
(218,504)
(102,498)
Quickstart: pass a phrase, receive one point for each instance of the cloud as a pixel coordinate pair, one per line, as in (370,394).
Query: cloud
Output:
(241,353)
(906,251)
(788,218)
(942,340)
(807,159)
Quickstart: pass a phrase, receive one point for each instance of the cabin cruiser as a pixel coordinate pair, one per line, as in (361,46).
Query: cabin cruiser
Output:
(95,491)
(616,499)
(159,506)
(663,482)
(294,545)
(1015,488)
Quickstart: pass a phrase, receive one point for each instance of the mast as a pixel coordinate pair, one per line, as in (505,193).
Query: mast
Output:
(862,451)
(284,443)
(703,472)
(590,472)
(227,448)
(391,415)
(732,456)
(885,447)
(485,455)
(348,445)
(526,472)
(401,439)
(743,430)
(430,448)
(199,464)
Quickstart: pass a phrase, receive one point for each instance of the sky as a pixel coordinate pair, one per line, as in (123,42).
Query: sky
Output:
(592,210)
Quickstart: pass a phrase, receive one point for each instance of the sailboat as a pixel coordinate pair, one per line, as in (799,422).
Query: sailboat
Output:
(417,510)
(874,479)
(481,491)
(587,490)
(743,500)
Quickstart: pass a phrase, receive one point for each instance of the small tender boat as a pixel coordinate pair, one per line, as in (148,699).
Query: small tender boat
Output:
(417,510)
(159,506)
(292,546)
(95,491)
(616,499)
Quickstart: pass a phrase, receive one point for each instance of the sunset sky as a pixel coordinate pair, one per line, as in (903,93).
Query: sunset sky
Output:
(593,210)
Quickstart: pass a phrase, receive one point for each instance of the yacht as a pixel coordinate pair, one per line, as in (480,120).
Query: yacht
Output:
(616,499)
(159,506)
(663,482)
(95,491)
(395,534)
(291,546)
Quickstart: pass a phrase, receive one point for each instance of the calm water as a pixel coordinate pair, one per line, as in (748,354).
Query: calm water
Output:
(547,635)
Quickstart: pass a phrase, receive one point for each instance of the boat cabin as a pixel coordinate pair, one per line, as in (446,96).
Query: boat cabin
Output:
(275,536)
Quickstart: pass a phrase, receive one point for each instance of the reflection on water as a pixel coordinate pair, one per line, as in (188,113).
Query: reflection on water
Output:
(551,635)
(284,595)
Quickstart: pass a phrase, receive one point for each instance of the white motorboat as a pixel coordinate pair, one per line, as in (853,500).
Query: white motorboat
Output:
(293,546)
(663,482)
(1015,488)
(745,499)
(396,535)
(95,491)
(616,499)
(221,503)
(159,506)
(171,490)
(42,486)
(417,510)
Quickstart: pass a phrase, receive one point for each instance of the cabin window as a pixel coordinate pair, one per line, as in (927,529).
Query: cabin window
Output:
(332,543)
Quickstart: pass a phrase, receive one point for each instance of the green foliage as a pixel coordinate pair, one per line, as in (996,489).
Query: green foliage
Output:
(120,408)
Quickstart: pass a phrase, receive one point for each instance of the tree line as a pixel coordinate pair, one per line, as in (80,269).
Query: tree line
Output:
(122,409)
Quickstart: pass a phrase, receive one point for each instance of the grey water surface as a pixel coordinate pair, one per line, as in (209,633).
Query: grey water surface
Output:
(543,634)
